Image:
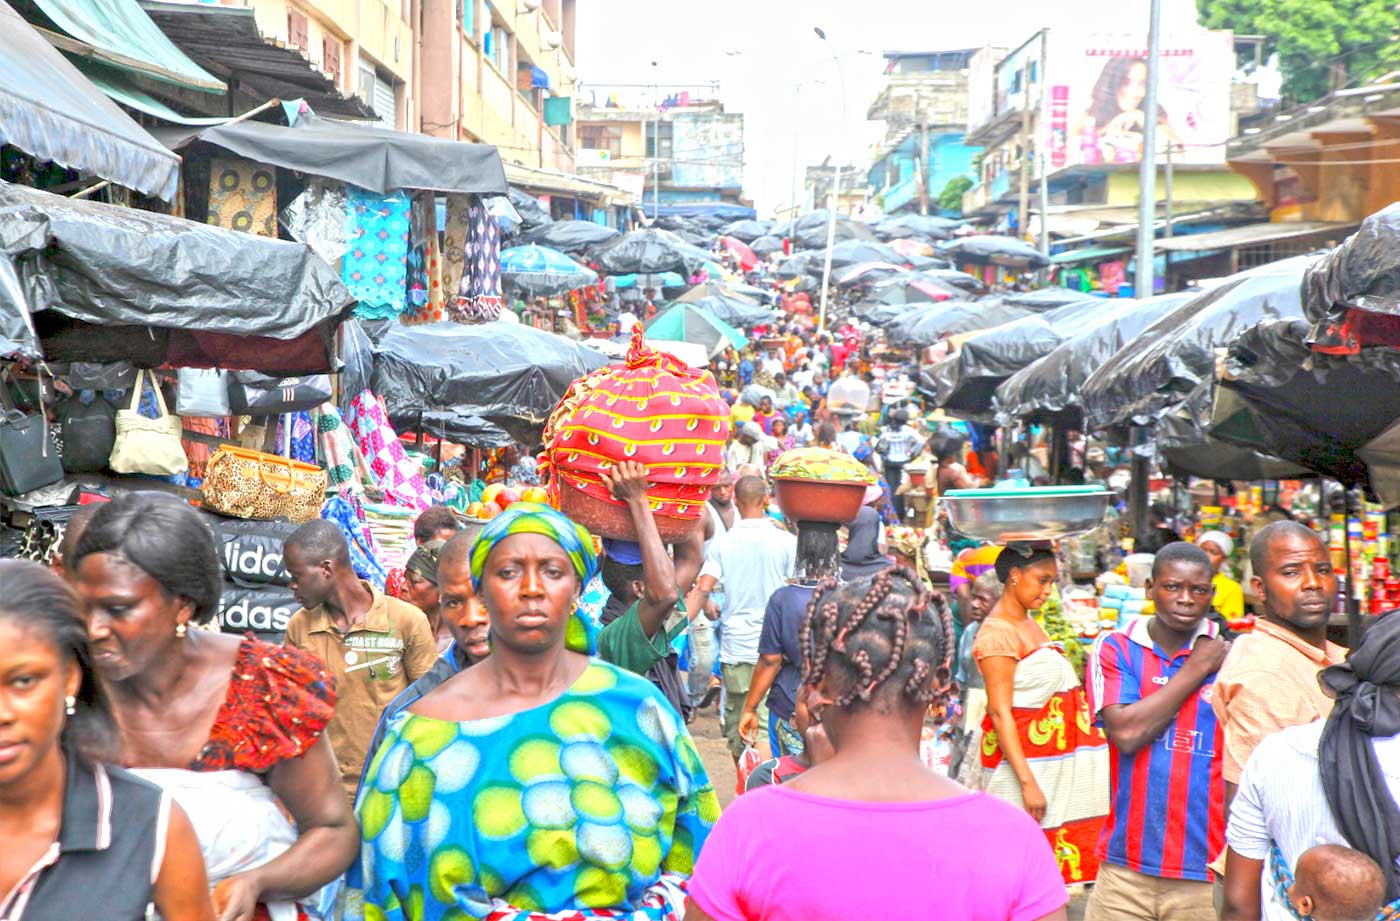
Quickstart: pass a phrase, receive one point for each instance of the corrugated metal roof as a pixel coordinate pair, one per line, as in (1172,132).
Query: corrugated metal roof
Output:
(1251,234)
(1087,255)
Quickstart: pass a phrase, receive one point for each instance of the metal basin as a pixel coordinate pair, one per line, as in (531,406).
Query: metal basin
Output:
(1045,513)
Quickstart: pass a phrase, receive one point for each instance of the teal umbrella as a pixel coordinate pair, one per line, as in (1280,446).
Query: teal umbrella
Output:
(688,323)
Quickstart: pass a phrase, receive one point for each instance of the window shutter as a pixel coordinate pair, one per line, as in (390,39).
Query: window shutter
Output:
(298,31)
(330,57)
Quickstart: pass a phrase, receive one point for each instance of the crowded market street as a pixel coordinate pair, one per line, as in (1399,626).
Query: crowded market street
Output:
(555,460)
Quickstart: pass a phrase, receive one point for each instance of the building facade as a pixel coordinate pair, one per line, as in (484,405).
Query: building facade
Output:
(924,105)
(853,199)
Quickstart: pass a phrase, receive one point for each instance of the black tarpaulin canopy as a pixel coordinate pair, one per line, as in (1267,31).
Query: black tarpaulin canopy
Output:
(570,236)
(1175,354)
(456,375)
(1322,412)
(651,250)
(377,159)
(1050,387)
(966,380)
(1185,445)
(993,249)
(184,288)
(49,110)
(951,318)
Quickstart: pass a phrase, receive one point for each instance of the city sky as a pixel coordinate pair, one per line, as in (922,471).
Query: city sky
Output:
(758,51)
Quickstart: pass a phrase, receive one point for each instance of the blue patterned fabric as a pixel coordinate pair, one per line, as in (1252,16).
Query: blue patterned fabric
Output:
(374,268)
(346,514)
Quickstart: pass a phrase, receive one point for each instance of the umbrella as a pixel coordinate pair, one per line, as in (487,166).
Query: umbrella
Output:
(962,281)
(1176,353)
(799,264)
(740,251)
(767,245)
(992,249)
(925,226)
(851,252)
(1324,412)
(501,372)
(1051,386)
(964,382)
(884,314)
(910,247)
(570,236)
(951,318)
(748,231)
(909,289)
(651,250)
(689,323)
(811,229)
(732,305)
(868,272)
(662,280)
(542,272)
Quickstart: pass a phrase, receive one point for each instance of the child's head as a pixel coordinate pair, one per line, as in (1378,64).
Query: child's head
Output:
(1336,883)
(878,643)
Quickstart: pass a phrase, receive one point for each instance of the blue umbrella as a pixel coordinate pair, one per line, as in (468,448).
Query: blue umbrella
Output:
(663,280)
(542,272)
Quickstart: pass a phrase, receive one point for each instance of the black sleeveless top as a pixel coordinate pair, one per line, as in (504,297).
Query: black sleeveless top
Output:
(110,845)
(862,556)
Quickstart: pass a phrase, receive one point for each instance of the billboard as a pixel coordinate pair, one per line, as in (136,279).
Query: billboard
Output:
(1098,85)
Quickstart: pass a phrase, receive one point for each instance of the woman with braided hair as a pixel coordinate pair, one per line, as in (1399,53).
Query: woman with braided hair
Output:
(1040,750)
(909,842)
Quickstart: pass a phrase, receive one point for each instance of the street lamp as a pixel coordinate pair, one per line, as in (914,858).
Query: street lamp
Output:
(835,190)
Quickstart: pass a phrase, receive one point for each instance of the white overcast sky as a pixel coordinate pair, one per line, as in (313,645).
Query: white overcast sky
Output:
(758,50)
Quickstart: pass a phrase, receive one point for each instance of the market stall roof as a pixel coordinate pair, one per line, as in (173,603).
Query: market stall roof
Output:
(183,290)
(450,373)
(377,159)
(919,329)
(226,40)
(119,33)
(49,110)
(1251,234)
(126,93)
(1174,355)
(1089,254)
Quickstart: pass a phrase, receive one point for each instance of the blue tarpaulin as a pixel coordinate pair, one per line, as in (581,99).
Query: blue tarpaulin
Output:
(699,208)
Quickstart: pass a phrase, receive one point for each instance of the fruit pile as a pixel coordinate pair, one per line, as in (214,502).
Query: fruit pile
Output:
(498,497)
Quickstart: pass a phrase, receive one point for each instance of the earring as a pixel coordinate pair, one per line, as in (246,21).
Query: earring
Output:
(180,631)
(70,705)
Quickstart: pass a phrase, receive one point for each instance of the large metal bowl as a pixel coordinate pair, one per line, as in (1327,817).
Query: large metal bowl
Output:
(1045,513)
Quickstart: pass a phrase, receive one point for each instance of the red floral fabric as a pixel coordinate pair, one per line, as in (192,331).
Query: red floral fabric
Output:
(278,704)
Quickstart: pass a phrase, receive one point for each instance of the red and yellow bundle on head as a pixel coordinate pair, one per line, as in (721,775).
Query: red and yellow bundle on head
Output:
(654,409)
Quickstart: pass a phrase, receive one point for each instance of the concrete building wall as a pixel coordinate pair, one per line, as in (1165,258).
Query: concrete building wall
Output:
(707,151)
(1214,186)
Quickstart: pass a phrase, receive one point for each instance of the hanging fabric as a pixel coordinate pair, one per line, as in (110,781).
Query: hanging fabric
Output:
(374,268)
(243,196)
(479,293)
(454,243)
(399,477)
(346,467)
(425,302)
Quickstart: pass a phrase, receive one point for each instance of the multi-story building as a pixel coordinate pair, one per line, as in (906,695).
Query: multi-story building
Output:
(676,147)
(852,199)
(924,105)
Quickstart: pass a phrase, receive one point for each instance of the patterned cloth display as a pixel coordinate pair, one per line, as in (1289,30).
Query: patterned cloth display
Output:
(425,305)
(398,476)
(655,410)
(479,292)
(454,242)
(243,196)
(532,518)
(374,268)
(345,465)
(583,805)
(364,557)
(303,437)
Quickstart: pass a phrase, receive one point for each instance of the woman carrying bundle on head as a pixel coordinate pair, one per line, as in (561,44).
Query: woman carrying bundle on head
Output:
(1040,750)
(875,653)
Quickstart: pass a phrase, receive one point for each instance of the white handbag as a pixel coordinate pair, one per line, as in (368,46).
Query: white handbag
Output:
(202,392)
(148,445)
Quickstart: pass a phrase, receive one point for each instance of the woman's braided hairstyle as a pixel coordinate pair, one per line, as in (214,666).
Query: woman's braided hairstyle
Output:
(883,632)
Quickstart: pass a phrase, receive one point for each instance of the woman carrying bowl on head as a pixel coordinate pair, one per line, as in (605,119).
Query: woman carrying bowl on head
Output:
(538,782)
(1040,749)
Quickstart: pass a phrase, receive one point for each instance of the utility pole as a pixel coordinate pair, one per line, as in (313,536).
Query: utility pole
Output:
(1143,285)
(1023,206)
(923,166)
(1041,160)
(1167,230)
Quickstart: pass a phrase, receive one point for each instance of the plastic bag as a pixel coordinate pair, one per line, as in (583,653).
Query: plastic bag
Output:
(318,218)
(1363,273)
(748,761)
(357,361)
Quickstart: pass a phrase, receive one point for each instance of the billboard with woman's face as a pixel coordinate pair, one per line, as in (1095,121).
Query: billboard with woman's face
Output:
(1099,87)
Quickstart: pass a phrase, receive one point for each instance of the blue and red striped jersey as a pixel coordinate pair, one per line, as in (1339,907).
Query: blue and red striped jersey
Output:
(1167,814)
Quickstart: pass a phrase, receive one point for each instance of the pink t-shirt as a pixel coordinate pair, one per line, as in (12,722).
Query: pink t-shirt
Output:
(780,855)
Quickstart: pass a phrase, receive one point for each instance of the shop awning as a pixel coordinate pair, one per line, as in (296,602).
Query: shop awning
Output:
(567,184)
(120,34)
(133,97)
(226,40)
(377,159)
(1087,255)
(1253,234)
(49,110)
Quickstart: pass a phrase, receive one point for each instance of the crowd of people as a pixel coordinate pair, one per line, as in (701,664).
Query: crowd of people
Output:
(504,733)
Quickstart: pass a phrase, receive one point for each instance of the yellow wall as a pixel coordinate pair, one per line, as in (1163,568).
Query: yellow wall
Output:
(1213,186)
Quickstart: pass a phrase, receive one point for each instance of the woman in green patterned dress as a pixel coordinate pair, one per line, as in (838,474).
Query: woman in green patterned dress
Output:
(538,781)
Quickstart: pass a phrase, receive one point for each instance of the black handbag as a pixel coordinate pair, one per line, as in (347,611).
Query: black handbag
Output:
(29,457)
(254,394)
(89,431)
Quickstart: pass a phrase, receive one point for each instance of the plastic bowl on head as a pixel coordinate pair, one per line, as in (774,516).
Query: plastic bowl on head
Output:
(813,500)
(1042,513)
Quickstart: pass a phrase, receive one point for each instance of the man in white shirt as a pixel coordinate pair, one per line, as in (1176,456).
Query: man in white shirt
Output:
(748,447)
(753,559)
(625,321)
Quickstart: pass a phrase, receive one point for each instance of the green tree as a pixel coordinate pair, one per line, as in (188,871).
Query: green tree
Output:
(950,199)
(1322,45)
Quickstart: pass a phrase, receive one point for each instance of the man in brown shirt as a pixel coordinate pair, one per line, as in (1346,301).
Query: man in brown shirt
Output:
(1269,679)
(375,646)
